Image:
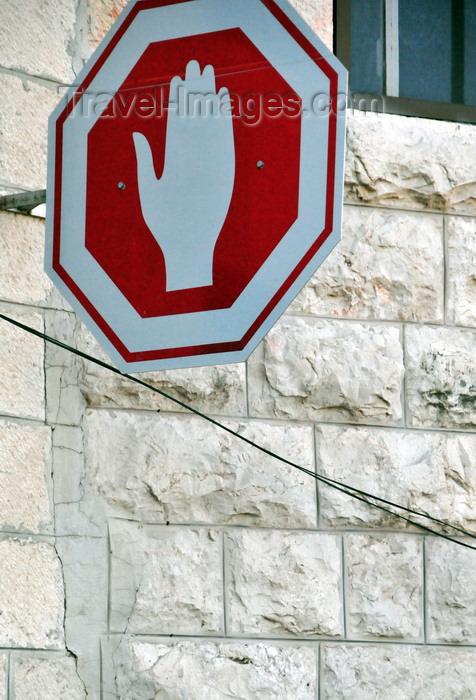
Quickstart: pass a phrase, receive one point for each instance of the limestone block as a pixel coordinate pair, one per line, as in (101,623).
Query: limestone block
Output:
(451,592)
(3,676)
(103,13)
(388,265)
(165,580)
(214,671)
(441,377)
(31,595)
(219,389)
(22,279)
(283,583)
(21,367)
(461,302)
(416,163)
(397,672)
(310,369)
(318,14)
(101,16)
(384,586)
(159,468)
(37,37)
(26,106)
(46,679)
(25,454)
(434,473)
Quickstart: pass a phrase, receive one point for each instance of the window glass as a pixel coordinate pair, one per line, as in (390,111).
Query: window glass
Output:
(367,45)
(425,48)
(470,53)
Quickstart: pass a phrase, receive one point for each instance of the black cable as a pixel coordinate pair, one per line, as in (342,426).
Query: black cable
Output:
(358,494)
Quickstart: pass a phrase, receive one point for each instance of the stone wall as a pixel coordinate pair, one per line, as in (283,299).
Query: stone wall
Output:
(144,553)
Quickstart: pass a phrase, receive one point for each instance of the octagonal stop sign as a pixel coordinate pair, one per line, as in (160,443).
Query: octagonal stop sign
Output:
(195,178)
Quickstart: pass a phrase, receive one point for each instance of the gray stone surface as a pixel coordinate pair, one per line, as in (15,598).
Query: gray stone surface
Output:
(75,514)
(397,673)
(451,592)
(429,472)
(46,679)
(64,371)
(310,369)
(3,676)
(214,671)
(21,366)
(22,22)
(461,275)
(283,583)
(22,279)
(384,587)
(26,106)
(160,468)
(166,580)
(25,460)
(441,377)
(405,162)
(85,567)
(31,595)
(388,265)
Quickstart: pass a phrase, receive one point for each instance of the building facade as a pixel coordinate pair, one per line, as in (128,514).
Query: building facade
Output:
(146,554)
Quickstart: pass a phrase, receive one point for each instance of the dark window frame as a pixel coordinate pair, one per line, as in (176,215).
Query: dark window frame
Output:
(390,103)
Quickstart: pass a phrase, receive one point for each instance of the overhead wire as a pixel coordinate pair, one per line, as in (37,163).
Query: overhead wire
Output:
(370,499)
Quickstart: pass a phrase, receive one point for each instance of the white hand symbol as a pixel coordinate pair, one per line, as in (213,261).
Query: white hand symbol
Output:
(185,209)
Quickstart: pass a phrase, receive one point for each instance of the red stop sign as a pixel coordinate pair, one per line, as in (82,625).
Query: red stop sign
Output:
(192,263)
(265,200)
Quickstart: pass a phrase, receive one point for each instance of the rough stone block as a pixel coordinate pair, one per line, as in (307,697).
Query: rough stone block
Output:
(384,586)
(441,377)
(21,367)
(25,454)
(165,580)
(22,279)
(328,370)
(397,672)
(26,106)
(429,472)
(31,595)
(101,16)
(159,468)
(3,676)
(214,671)
(219,389)
(318,14)
(461,301)
(416,163)
(388,265)
(451,592)
(22,22)
(283,583)
(46,679)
